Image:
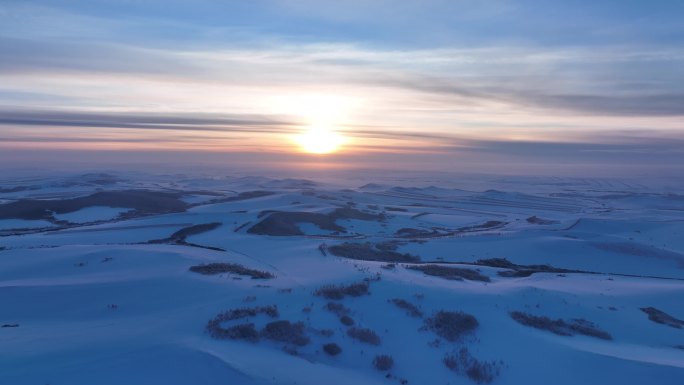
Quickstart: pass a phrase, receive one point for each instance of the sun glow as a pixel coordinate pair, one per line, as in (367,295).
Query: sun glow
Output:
(322,115)
(319,140)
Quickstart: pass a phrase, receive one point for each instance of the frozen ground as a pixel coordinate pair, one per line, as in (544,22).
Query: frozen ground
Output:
(96,286)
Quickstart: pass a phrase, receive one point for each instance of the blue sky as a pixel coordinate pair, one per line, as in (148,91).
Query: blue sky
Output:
(436,83)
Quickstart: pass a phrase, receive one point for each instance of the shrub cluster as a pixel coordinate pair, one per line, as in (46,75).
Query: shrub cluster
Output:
(399,209)
(383,362)
(497,262)
(410,308)
(465,364)
(337,308)
(286,331)
(182,234)
(364,335)
(561,327)
(244,312)
(340,291)
(369,252)
(245,331)
(332,349)
(408,232)
(520,271)
(451,325)
(663,318)
(540,221)
(220,268)
(280,223)
(451,273)
(291,333)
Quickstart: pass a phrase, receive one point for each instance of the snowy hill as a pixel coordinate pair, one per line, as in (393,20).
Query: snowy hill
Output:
(131,279)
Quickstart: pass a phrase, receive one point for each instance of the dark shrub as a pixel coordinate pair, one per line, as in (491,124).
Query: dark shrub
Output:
(233,314)
(584,327)
(340,291)
(517,273)
(408,232)
(280,223)
(220,268)
(364,335)
(465,364)
(521,271)
(286,331)
(351,213)
(337,308)
(452,273)
(369,252)
(497,262)
(383,362)
(245,331)
(399,209)
(540,221)
(332,349)
(663,318)
(144,202)
(182,234)
(451,325)
(557,326)
(410,308)
(346,320)
(483,226)
(243,196)
(561,327)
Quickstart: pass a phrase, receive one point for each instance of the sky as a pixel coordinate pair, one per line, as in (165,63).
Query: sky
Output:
(498,86)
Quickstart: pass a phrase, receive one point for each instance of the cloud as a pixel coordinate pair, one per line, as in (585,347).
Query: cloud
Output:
(149,121)
(620,105)
(643,104)
(25,56)
(564,80)
(189,125)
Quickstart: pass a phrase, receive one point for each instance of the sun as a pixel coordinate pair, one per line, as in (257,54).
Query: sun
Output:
(321,116)
(319,140)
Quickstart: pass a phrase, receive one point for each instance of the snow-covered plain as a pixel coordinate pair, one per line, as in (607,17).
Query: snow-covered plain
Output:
(91,297)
